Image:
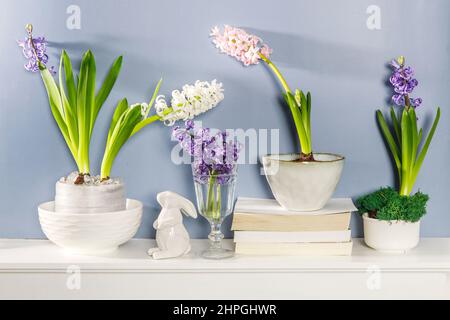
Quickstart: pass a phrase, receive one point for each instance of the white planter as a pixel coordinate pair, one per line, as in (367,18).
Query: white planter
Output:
(303,186)
(90,233)
(71,198)
(395,236)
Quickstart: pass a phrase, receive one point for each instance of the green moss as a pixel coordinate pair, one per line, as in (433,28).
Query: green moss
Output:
(388,204)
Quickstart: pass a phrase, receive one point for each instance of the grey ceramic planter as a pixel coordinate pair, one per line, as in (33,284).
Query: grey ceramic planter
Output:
(303,186)
(70,198)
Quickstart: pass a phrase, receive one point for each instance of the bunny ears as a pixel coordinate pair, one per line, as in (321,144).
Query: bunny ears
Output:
(172,200)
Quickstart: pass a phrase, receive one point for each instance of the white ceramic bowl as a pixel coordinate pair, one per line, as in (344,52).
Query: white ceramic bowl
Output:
(90,233)
(391,236)
(303,186)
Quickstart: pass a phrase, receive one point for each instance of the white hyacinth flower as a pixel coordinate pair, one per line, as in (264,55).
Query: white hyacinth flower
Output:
(144,108)
(190,102)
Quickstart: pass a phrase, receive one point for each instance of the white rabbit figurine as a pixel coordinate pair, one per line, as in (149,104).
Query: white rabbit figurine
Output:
(171,235)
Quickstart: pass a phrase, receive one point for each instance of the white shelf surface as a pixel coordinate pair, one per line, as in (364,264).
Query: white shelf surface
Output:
(129,273)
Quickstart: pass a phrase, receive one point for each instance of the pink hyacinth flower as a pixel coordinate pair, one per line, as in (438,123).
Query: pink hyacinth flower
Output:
(239,44)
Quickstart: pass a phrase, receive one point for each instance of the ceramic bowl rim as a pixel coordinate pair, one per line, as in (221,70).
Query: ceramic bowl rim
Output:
(339,158)
(84,186)
(365,216)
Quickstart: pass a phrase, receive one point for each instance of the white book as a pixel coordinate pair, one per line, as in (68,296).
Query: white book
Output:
(271,206)
(292,237)
(295,249)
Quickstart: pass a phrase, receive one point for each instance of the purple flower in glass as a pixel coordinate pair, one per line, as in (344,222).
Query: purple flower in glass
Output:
(212,154)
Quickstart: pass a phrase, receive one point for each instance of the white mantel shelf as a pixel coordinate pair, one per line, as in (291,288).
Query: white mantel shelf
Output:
(37,269)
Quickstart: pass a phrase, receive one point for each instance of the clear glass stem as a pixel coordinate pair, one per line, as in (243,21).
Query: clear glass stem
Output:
(215,235)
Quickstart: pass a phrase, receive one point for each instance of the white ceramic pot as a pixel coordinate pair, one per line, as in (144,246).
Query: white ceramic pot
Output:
(306,185)
(394,236)
(90,233)
(71,198)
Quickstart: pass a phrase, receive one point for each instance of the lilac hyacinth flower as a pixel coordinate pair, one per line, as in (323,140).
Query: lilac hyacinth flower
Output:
(213,154)
(27,48)
(35,51)
(404,83)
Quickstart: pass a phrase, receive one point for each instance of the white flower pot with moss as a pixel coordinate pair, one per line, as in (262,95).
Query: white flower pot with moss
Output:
(391,236)
(392,218)
(91,213)
(299,182)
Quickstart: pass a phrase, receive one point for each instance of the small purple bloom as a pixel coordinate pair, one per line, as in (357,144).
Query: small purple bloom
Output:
(398,99)
(395,64)
(396,79)
(407,73)
(416,102)
(189,125)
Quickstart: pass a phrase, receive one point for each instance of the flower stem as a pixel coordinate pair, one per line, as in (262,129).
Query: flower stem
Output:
(276,71)
(144,123)
(210,201)
(405,187)
(150,120)
(219,201)
(407,102)
(304,138)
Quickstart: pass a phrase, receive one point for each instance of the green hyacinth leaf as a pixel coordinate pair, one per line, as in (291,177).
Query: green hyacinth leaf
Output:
(414,137)
(305,144)
(90,95)
(389,139)
(105,89)
(54,98)
(83,111)
(396,125)
(122,106)
(124,127)
(69,79)
(426,145)
(69,116)
(155,94)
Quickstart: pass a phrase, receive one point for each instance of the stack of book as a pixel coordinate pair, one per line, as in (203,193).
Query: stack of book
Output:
(263,227)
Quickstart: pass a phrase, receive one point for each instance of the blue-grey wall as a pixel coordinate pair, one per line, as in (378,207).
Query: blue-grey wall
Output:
(321,45)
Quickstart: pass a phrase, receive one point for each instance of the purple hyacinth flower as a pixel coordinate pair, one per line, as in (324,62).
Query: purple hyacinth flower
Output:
(403,84)
(35,51)
(34,55)
(212,154)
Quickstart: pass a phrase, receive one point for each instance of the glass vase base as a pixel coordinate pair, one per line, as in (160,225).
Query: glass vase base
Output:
(217,253)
